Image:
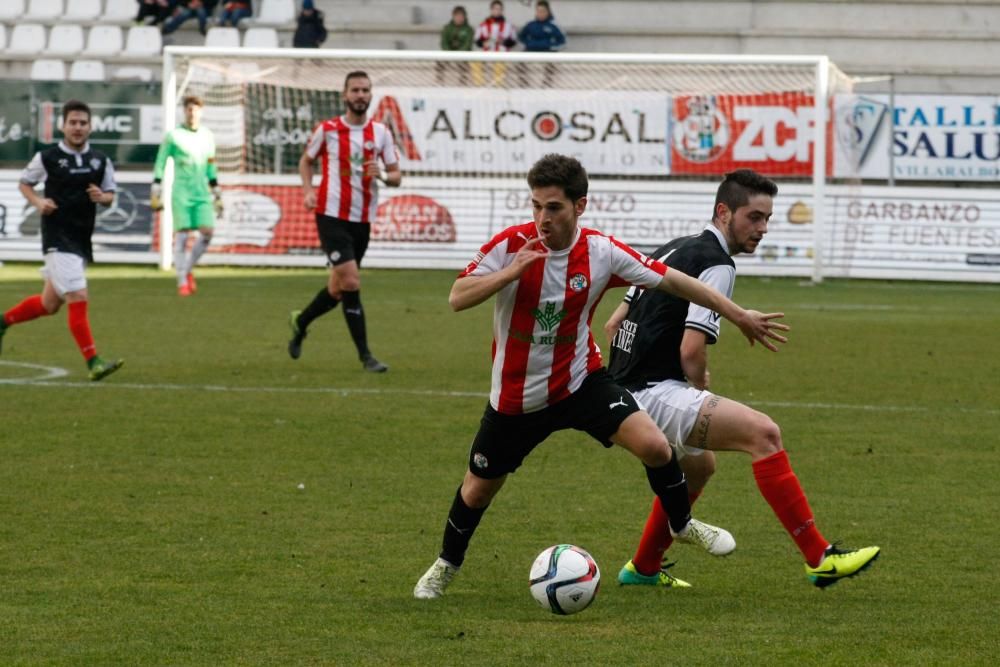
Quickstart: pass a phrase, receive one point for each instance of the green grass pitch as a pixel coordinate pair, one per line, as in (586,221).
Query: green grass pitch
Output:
(215,503)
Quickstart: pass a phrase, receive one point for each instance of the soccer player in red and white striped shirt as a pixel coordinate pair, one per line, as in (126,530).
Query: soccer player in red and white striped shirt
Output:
(548,277)
(350,148)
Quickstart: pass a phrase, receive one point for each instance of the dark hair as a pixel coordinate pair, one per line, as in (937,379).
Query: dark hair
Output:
(738,186)
(562,171)
(193,99)
(356,74)
(543,3)
(495,3)
(75,105)
(459,8)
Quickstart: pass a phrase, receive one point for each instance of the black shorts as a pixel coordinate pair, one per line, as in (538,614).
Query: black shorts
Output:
(598,407)
(342,240)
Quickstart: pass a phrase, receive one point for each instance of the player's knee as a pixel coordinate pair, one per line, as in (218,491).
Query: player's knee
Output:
(655,450)
(350,283)
(766,437)
(206,234)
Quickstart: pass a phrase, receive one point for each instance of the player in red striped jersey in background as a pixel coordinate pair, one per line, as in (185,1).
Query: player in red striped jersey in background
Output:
(548,277)
(350,148)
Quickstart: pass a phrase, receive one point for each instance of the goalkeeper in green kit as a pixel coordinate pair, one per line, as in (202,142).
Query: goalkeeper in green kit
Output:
(196,198)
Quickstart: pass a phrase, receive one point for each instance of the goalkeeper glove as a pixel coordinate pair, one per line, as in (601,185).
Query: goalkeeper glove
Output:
(217,201)
(155,193)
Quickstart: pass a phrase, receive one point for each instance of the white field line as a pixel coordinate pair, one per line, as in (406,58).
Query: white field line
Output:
(55,372)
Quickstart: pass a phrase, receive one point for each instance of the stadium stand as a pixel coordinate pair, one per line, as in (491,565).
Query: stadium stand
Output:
(82,11)
(3,37)
(26,39)
(104,41)
(44,10)
(65,41)
(143,42)
(277,13)
(119,11)
(87,70)
(223,37)
(46,69)
(11,10)
(133,73)
(261,38)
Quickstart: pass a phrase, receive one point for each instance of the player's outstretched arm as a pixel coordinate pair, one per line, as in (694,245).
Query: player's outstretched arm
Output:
(754,325)
(469,291)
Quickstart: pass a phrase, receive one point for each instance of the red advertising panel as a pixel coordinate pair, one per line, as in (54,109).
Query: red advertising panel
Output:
(770,133)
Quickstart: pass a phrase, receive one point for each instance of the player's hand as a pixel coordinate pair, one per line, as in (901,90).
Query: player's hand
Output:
(217,201)
(372,170)
(309,199)
(95,193)
(527,255)
(46,206)
(757,326)
(156,197)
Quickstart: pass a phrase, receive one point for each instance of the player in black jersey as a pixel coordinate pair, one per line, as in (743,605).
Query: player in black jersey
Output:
(77,179)
(659,352)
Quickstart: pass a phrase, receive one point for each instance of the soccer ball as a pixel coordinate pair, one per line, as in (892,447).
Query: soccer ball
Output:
(564,579)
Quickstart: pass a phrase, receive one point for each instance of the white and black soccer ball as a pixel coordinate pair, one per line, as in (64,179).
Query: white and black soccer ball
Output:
(564,579)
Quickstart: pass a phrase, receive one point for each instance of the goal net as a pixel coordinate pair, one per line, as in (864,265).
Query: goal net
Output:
(655,133)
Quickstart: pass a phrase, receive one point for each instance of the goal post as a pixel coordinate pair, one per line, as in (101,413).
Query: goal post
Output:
(656,132)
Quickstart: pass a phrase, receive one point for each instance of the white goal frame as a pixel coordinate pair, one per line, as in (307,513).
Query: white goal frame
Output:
(820,65)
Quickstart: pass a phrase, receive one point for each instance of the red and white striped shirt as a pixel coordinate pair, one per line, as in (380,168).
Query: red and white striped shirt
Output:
(344,191)
(542,345)
(495,34)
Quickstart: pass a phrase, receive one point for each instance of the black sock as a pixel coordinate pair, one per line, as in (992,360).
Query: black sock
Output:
(462,522)
(670,486)
(321,304)
(354,314)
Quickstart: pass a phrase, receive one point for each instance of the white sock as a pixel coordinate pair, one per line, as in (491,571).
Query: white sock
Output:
(198,250)
(180,255)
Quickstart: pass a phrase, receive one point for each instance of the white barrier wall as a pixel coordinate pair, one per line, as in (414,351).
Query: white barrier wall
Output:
(869,232)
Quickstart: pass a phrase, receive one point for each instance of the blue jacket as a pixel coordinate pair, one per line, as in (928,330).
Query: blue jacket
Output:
(542,36)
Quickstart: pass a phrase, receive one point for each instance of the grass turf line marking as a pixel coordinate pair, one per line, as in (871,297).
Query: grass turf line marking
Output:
(352,391)
(49,372)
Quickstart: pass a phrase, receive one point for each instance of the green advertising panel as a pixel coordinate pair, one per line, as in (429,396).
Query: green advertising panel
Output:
(278,123)
(127,119)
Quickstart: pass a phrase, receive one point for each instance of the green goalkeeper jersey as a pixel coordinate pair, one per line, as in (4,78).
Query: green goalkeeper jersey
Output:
(194,162)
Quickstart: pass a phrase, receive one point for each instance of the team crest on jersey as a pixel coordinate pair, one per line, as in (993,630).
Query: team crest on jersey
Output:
(480,461)
(369,145)
(94,163)
(578,282)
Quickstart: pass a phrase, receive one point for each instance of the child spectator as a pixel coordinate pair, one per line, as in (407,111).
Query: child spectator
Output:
(458,34)
(309,31)
(542,34)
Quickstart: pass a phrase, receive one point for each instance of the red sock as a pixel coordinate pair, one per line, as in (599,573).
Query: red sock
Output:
(780,488)
(656,538)
(25,311)
(79,325)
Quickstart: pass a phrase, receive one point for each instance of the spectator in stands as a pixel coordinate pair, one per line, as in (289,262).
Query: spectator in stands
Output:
(310,32)
(159,10)
(542,34)
(494,34)
(457,35)
(187,9)
(234,11)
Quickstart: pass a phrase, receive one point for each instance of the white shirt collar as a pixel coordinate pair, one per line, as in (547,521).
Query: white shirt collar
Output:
(718,234)
(65,148)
